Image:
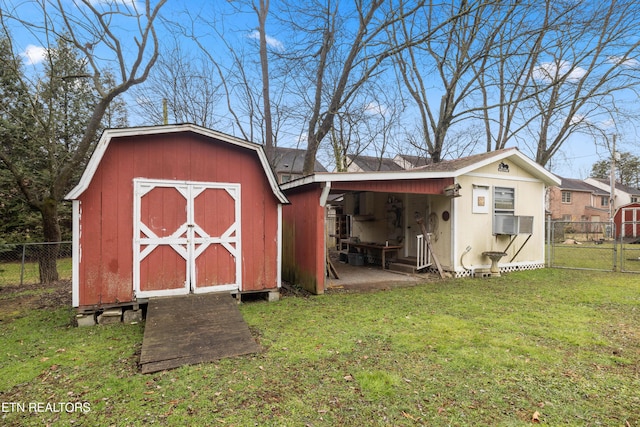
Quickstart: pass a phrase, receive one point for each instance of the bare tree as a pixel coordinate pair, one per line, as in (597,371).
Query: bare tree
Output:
(340,61)
(443,75)
(262,10)
(88,26)
(531,73)
(334,51)
(252,108)
(593,61)
(504,80)
(182,88)
(360,129)
(341,48)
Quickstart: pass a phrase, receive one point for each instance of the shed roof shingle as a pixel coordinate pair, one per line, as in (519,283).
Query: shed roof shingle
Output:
(375,164)
(292,160)
(579,185)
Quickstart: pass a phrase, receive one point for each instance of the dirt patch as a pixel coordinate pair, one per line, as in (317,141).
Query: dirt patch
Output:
(371,286)
(15,301)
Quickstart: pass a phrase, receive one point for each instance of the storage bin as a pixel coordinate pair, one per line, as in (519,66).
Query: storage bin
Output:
(356,259)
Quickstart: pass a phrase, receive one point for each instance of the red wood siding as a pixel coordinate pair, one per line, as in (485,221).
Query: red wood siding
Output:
(303,258)
(215,265)
(164,211)
(627,219)
(414,186)
(106,219)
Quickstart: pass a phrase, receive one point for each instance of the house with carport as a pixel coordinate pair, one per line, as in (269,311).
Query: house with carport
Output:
(462,213)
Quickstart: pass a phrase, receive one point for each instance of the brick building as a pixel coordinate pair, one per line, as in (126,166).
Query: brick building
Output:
(576,200)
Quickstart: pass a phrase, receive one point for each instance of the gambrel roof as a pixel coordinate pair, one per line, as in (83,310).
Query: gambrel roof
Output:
(110,134)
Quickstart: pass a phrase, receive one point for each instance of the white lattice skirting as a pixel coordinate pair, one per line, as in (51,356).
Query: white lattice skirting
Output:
(480,272)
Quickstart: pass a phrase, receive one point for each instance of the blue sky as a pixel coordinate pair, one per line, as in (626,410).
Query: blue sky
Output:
(575,159)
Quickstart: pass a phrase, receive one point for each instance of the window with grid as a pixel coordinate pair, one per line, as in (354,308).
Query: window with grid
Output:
(503,200)
(504,220)
(566,197)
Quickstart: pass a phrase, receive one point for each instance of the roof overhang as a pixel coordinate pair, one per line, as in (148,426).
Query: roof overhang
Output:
(517,157)
(110,134)
(346,177)
(424,173)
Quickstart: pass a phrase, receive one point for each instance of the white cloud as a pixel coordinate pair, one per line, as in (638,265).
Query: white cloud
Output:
(34,54)
(271,42)
(577,119)
(128,3)
(551,71)
(628,62)
(581,119)
(375,108)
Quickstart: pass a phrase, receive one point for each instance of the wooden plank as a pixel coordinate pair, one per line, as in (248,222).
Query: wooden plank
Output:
(193,329)
(331,269)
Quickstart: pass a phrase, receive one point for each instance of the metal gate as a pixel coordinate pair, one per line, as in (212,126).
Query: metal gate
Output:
(186,237)
(630,247)
(582,245)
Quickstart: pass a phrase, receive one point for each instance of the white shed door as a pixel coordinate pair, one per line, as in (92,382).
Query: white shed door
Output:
(186,237)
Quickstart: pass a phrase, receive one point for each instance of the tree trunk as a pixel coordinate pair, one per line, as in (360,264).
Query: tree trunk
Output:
(48,256)
(310,155)
(266,96)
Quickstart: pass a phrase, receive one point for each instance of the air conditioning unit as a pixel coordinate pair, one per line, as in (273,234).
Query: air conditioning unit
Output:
(505,224)
(525,225)
(512,224)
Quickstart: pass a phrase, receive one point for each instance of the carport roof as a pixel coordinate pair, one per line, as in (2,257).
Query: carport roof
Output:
(444,169)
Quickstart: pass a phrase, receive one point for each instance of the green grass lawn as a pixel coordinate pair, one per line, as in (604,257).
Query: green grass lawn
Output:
(10,272)
(590,256)
(561,347)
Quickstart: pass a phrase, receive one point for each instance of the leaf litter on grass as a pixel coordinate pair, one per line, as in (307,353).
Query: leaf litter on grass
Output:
(459,352)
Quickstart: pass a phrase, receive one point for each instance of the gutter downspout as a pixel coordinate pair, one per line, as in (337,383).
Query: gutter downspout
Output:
(323,203)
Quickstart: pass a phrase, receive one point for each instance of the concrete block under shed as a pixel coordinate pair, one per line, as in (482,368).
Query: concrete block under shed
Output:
(273,296)
(113,315)
(86,319)
(131,317)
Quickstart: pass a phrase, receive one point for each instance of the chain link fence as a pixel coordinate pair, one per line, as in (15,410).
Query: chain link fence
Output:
(582,245)
(31,263)
(594,246)
(629,238)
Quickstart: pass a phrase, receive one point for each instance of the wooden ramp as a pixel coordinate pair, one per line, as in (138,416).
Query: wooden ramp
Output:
(192,329)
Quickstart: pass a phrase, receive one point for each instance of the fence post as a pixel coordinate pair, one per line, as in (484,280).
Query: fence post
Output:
(615,246)
(547,247)
(24,249)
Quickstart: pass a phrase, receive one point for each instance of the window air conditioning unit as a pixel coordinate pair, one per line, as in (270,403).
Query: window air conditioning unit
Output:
(525,225)
(512,224)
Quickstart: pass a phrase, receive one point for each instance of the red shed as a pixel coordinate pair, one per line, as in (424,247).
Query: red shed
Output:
(172,210)
(627,221)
